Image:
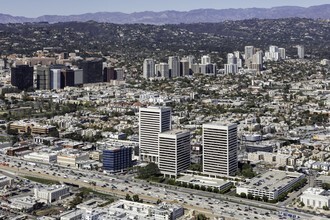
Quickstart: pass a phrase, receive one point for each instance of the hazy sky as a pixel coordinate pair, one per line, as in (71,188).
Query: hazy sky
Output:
(34,8)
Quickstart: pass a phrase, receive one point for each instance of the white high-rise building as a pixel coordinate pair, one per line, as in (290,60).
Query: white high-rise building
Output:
(55,75)
(239,59)
(257,61)
(148,68)
(281,51)
(174,66)
(206,59)
(301,51)
(162,70)
(249,51)
(273,53)
(152,121)
(220,149)
(231,66)
(191,60)
(174,152)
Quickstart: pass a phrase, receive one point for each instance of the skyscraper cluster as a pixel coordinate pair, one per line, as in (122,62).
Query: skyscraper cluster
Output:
(176,67)
(170,149)
(47,76)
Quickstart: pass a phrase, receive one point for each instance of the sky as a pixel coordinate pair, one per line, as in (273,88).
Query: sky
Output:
(35,8)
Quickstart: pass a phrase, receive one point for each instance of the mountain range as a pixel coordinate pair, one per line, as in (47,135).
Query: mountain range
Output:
(175,17)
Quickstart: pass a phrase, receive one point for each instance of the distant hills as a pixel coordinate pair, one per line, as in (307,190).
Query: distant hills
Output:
(175,17)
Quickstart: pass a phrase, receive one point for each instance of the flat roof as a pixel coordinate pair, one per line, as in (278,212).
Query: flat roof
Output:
(203,180)
(220,125)
(175,132)
(272,180)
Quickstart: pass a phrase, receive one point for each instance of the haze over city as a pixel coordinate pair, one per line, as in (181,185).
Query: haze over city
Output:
(69,7)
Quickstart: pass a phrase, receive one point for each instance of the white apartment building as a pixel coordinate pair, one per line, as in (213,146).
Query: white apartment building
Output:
(148,68)
(220,149)
(271,184)
(248,52)
(301,51)
(51,194)
(174,152)
(316,197)
(152,121)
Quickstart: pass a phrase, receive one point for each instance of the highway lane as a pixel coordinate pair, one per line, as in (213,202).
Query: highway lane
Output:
(140,186)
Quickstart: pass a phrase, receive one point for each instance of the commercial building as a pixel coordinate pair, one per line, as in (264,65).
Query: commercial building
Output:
(117,159)
(166,211)
(71,158)
(301,51)
(220,149)
(174,152)
(52,193)
(109,74)
(92,70)
(152,121)
(67,78)
(5,181)
(322,179)
(31,127)
(214,183)
(72,215)
(43,77)
(148,68)
(316,198)
(271,184)
(162,70)
(184,67)
(174,66)
(22,77)
(231,67)
(42,157)
(248,51)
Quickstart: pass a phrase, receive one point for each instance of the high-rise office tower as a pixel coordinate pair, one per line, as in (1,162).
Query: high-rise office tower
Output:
(239,59)
(184,67)
(231,66)
(92,70)
(174,152)
(301,51)
(43,77)
(109,74)
(22,77)
(248,51)
(55,78)
(162,70)
(273,53)
(257,61)
(119,72)
(78,76)
(152,121)
(220,149)
(281,51)
(67,78)
(208,68)
(191,60)
(174,66)
(148,68)
(206,59)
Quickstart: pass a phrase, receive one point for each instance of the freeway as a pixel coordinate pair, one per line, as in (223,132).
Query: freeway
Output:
(209,203)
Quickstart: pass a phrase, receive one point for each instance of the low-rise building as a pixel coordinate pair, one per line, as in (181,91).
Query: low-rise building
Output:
(71,158)
(5,181)
(52,193)
(215,183)
(271,184)
(322,179)
(31,127)
(316,197)
(43,157)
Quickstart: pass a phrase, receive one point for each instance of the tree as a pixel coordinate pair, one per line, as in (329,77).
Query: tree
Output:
(216,190)
(243,195)
(201,217)
(250,196)
(159,201)
(265,198)
(136,198)
(326,208)
(203,188)
(128,197)
(197,187)
(148,171)
(209,189)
